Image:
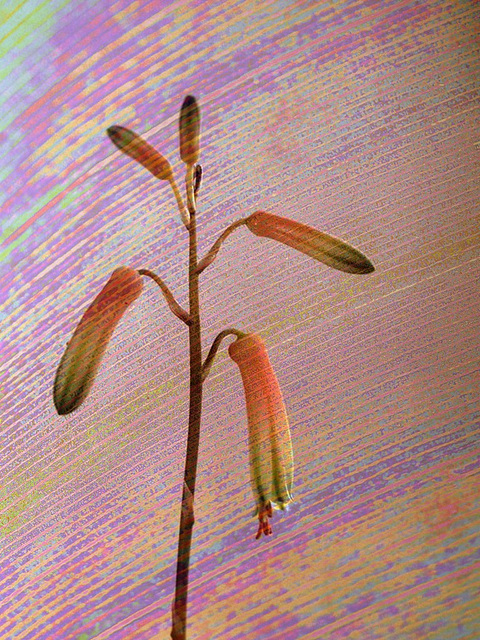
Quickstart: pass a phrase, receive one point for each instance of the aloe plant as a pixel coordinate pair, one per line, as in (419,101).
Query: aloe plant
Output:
(271,458)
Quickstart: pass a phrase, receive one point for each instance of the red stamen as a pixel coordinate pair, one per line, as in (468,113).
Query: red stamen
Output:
(264,525)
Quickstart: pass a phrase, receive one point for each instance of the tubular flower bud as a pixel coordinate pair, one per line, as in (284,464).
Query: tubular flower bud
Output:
(136,147)
(317,245)
(81,359)
(189,127)
(271,456)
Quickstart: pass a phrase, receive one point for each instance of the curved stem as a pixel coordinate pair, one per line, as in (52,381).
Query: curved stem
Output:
(181,205)
(187,518)
(172,303)
(189,180)
(212,254)
(214,348)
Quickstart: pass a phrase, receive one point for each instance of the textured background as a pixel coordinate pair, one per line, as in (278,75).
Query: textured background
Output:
(359,118)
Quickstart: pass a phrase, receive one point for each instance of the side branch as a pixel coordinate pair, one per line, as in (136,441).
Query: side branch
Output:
(212,254)
(214,348)
(172,303)
(181,206)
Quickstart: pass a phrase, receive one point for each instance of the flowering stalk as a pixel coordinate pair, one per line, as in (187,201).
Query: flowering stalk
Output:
(271,458)
(270,444)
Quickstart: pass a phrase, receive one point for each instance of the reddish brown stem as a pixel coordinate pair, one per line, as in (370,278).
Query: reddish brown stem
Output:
(187,517)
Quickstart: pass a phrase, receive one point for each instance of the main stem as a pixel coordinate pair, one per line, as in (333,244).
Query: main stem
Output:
(179,607)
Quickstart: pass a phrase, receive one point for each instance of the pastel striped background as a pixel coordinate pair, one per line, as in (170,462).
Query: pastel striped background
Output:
(359,118)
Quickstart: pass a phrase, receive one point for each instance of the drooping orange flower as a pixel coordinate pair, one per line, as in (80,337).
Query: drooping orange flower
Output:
(317,245)
(137,148)
(81,359)
(271,456)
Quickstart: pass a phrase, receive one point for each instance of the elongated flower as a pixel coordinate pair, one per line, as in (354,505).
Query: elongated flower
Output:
(137,148)
(317,245)
(271,456)
(81,359)
(189,129)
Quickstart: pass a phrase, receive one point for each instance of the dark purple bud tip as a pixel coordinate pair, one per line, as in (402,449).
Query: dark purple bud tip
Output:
(120,136)
(188,102)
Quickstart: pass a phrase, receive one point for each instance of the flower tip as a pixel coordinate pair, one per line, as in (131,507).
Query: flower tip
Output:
(189,101)
(112,133)
(369,268)
(264,526)
(358,263)
(64,405)
(68,391)
(120,136)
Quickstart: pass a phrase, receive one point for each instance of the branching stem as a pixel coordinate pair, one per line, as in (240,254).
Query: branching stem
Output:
(214,348)
(181,205)
(172,303)
(212,254)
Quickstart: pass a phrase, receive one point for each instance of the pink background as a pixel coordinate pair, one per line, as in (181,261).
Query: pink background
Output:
(358,118)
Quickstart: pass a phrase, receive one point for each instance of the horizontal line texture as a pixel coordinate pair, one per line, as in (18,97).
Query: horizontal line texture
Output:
(360,119)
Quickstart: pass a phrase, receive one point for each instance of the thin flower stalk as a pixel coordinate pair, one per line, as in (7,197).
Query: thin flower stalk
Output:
(270,444)
(212,254)
(175,308)
(215,346)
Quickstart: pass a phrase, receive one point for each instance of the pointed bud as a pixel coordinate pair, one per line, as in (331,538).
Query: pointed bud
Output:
(271,456)
(136,147)
(189,127)
(81,359)
(317,245)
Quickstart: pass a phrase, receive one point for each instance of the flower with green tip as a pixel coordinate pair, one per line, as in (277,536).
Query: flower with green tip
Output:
(271,455)
(317,245)
(137,148)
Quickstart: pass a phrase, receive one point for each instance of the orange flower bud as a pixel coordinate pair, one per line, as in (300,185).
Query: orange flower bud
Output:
(136,147)
(81,359)
(317,245)
(189,127)
(271,456)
